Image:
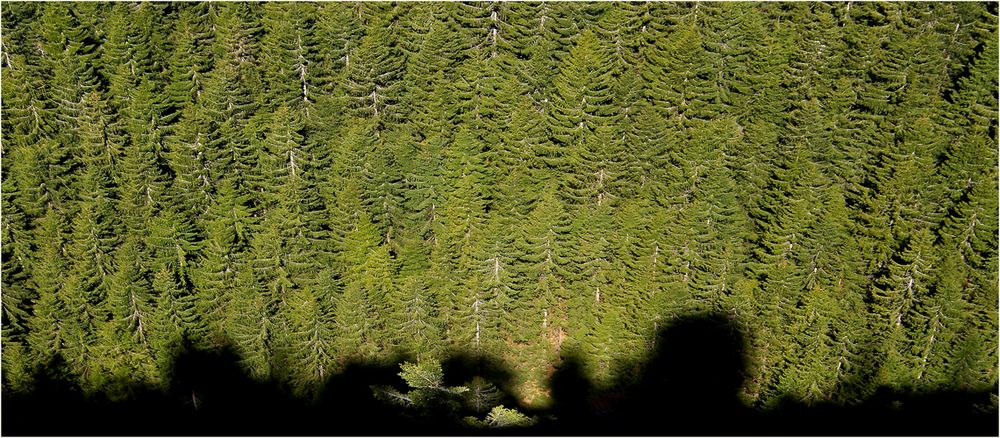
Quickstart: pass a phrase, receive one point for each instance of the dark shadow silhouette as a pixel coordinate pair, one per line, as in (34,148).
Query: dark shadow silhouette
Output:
(693,378)
(573,398)
(688,385)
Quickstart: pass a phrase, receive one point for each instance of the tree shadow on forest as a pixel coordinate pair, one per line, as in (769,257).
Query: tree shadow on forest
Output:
(688,385)
(691,382)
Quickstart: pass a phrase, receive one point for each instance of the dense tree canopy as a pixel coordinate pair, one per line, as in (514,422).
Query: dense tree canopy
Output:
(317,183)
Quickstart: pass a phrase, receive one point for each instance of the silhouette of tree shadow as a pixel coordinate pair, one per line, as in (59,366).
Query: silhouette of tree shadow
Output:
(688,385)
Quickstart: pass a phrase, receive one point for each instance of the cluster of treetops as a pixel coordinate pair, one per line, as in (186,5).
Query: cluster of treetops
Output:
(320,183)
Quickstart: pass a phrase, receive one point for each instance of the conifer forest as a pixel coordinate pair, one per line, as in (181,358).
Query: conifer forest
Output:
(492,215)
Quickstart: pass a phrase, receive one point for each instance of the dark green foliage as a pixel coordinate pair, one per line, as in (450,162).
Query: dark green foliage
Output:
(373,79)
(315,184)
(429,397)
